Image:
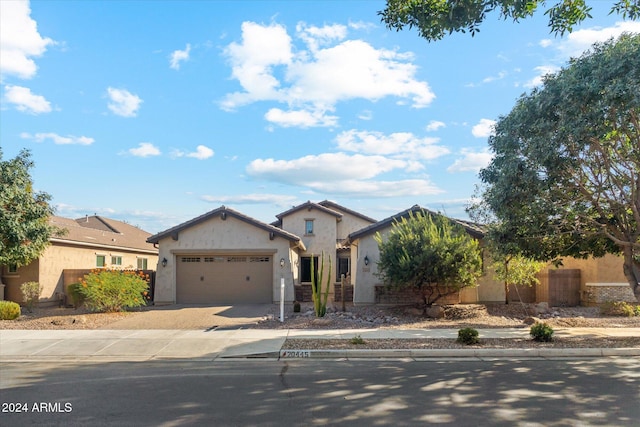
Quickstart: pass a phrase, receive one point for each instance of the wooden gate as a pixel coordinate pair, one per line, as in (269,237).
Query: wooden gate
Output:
(564,288)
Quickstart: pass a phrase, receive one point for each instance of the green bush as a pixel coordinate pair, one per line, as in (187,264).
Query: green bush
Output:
(76,294)
(541,332)
(357,340)
(9,310)
(30,294)
(617,308)
(114,290)
(468,336)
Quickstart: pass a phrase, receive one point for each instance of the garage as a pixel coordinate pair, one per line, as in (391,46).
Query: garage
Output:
(224,279)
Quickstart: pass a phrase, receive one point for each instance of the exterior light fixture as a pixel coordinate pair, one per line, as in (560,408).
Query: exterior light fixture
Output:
(164,262)
(366,260)
(281,262)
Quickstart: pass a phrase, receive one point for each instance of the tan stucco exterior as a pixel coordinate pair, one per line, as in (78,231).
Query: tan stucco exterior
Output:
(47,270)
(224,236)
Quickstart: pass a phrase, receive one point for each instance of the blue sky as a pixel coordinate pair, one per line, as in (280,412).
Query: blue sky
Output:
(154,112)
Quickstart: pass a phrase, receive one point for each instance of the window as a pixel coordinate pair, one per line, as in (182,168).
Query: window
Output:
(101,260)
(116,260)
(305,268)
(308,226)
(142,263)
(343,267)
(12,269)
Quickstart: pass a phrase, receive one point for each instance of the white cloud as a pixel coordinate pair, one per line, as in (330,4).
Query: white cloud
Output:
(545,42)
(26,101)
(484,128)
(249,199)
(541,71)
(300,118)
(59,139)
(376,189)
(580,40)
(20,40)
(332,70)
(401,145)
(434,125)
(471,161)
(145,149)
(123,103)
(323,167)
(178,56)
(202,152)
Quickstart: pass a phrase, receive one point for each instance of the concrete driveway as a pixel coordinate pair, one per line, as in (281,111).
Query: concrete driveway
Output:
(188,316)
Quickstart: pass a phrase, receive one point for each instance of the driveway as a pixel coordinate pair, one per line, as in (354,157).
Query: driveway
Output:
(188,316)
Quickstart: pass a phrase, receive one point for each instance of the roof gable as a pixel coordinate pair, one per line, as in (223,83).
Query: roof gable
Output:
(336,207)
(309,205)
(223,212)
(473,229)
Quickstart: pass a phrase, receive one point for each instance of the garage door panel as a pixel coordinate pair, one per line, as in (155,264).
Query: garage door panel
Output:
(229,279)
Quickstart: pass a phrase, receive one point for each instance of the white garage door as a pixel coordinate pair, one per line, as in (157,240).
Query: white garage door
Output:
(224,279)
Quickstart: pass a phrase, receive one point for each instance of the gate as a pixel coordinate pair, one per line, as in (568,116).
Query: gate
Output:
(564,288)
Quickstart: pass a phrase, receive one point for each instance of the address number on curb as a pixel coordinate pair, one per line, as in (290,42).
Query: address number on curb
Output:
(295,353)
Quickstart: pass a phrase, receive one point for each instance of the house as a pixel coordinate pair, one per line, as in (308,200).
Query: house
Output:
(227,257)
(365,255)
(89,242)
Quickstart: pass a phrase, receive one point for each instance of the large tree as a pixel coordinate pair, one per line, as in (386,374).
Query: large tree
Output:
(436,18)
(430,253)
(565,178)
(24,213)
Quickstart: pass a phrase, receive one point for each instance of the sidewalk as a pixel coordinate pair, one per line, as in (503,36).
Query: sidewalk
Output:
(141,345)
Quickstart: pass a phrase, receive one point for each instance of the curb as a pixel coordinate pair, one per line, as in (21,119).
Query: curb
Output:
(459,353)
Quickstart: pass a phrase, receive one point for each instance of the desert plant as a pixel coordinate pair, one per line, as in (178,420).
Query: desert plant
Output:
(468,336)
(30,294)
(357,340)
(9,310)
(541,332)
(320,296)
(114,290)
(617,308)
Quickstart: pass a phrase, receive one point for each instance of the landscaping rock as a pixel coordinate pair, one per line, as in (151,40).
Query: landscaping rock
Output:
(435,312)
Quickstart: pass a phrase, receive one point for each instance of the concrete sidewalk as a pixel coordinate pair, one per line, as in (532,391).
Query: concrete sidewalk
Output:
(141,345)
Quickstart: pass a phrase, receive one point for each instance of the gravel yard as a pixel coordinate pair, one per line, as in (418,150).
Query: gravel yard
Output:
(479,316)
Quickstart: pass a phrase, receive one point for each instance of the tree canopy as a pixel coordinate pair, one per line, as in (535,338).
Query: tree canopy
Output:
(434,19)
(430,253)
(24,214)
(565,178)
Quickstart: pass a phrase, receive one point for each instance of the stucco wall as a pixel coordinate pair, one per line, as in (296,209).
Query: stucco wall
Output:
(58,257)
(221,235)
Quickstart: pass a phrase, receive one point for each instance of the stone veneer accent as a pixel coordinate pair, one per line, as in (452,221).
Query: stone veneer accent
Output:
(598,293)
(385,295)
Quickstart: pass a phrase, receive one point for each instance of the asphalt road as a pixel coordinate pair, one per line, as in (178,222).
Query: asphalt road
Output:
(566,392)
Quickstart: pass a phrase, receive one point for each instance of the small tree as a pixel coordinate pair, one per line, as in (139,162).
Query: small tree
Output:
(30,294)
(24,214)
(430,253)
(517,270)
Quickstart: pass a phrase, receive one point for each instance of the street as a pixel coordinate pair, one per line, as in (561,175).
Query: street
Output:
(563,392)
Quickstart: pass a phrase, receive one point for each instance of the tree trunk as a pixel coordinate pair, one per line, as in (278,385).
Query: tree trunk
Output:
(632,271)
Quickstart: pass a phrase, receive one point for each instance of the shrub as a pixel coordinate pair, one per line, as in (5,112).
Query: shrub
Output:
(114,290)
(76,294)
(30,294)
(9,310)
(357,340)
(296,307)
(541,332)
(468,336)
(617,308)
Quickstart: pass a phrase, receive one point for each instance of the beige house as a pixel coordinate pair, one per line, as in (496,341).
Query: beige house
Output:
(226,257)
(89,242)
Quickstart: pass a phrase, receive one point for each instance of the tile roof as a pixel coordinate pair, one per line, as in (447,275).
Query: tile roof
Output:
(475,230)
(102,232)
(309,205)
(223,211)
(332,205)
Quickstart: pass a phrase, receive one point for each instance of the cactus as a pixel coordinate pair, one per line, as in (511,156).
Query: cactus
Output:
(320,297)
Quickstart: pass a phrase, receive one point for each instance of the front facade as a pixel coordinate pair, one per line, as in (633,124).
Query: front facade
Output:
(90,242)
(225,257)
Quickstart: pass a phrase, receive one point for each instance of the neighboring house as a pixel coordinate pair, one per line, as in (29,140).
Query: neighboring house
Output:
(226,257)
(89,242)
